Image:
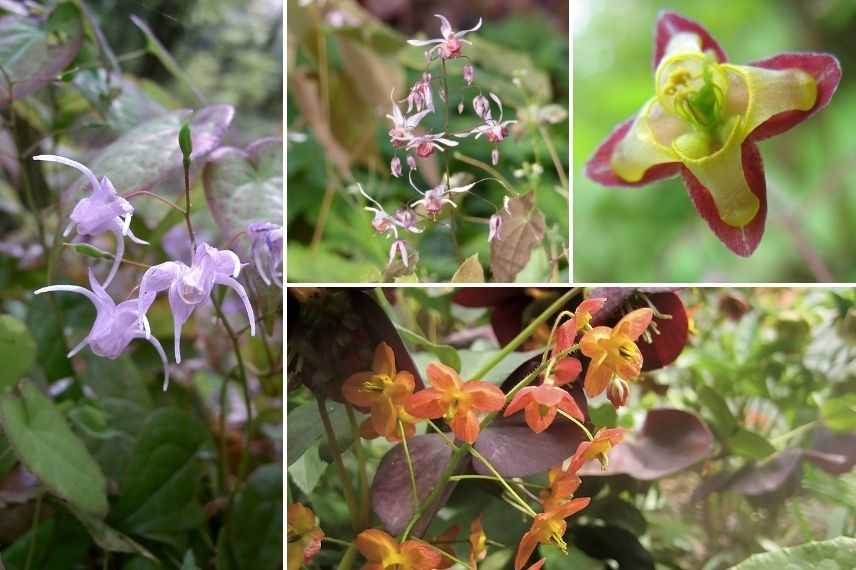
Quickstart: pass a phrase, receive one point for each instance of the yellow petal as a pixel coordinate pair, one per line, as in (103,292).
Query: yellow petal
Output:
(759,93)
(641,148)
(722,174)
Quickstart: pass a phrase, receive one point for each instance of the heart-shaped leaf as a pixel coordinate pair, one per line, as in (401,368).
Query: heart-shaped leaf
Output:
(46,445)
(245,186)
(30,54)
(523,228)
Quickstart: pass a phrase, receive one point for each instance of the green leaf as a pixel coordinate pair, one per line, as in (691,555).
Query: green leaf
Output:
(447,354)
(189,562)
(723,420)
(839,413)
(245,186)
(17,350)
(61,543)
(472,360)
(159,484)
(255,525)
(304,428)
(750,444)
(89,250)
(470,271)
(108,538)
(307,471)
(46,446)
(45,321)
(836,554)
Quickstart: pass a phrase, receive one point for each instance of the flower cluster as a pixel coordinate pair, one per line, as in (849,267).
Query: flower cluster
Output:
(408,137)
(187,286)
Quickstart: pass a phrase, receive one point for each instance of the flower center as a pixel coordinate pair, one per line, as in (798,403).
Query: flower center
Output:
(190,288)
(377,383)
(694,87)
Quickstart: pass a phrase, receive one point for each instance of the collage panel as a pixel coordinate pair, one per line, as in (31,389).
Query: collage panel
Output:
(428,142)
(582,428)
(727,160)
(141,285)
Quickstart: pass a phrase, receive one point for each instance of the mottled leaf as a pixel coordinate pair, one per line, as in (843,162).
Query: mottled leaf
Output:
(522,229)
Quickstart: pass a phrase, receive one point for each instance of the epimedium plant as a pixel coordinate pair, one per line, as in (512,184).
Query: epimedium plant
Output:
(514,417)
(161,217)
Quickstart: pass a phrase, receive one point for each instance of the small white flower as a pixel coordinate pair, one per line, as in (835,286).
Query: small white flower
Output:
(449,47)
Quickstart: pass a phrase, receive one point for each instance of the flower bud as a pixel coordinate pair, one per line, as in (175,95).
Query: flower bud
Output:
(411,162)
(395,166)
(494,156)
(495,224)
(481,106)
(469,74)
(461,107)
(618,392)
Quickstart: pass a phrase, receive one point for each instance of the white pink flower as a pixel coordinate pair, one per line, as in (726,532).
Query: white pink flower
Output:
(449,46)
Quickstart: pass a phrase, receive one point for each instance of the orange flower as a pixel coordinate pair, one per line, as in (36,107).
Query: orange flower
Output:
(383,391)
(604,440)
(455,401)
(563,485)
(548,528)
(613,351)
(541,404)
(478,542)
(382,552)
(304,536)
(566,334)
(538,565)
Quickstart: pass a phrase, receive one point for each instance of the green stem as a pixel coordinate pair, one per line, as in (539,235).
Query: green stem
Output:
(447,555)
(409,466)
(345,479)
(578,422)
(348,558)
(557,163)
(500,479)
(490,478)
(362,474)
(344,543)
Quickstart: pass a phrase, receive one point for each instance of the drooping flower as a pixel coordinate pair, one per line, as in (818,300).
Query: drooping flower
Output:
(604,440)
(399,247)
(494,225)
(548,528)
(190,286)
(563,484)
(406,218)
(100,212)
(704,121)
(436,198)
(395,166)
(613,351)
(384,391)
(567,332)
(266,250)
(115,325)
(617,392)
(494,129)
(420,95)
(425,145)
(304,536)
(478,542)
(449,47)
(455,401)
(383,552)
(402,127)
(542,403)
(411,162)
(382,222)
(469,74)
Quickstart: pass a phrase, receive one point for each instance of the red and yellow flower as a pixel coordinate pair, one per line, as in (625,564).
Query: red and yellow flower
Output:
(304,536)
(383,552)
(382,390)
(542,403)
(456,401)
(548,528)
(604,440)
(563,484)
(613,351)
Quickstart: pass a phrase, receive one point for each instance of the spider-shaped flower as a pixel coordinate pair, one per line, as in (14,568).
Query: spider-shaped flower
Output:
(115,325)
(420,96)
(425,145)
(100,212)
(266,250)
(190,286)
(388,224)
(494,129)
(449,47)
(402,126)
(436,198)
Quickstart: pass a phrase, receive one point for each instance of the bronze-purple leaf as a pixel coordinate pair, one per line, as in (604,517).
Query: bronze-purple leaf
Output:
(523,229)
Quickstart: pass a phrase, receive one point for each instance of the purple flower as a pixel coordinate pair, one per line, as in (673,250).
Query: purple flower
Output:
(495,224)
(115,326)
(411,162)
(402,127)
(191,286)
(420,95)
(100,212)
(496,130)
(384,223)
(434,199)
(395,166)
(399,246)
(449,47)
(266,250)
(426,144)
(469,73)
(406,218)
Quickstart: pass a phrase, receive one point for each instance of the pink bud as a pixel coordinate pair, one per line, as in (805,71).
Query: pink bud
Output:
(399,246)
(460,107)
(411,162)
(494,156)
(395,166)
(618,392)
(469,74)
(481,106)
(495,223)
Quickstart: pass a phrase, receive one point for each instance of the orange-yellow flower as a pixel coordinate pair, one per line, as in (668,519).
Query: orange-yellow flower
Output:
(383,390)
(456,401)
(548,528)
(604,440)
(563,485)
(542,403)
(304,536)
(613,351)
(538,565)
(382,552)
(478,542)
(567,332)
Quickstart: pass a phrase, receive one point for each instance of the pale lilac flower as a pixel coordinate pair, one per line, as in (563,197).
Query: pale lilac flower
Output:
(395,166)
(495,130)
(494,225)
(494,156)
(115,326)
(191,286)
(436,198)
(406,218)
(399,246)
(449,46)
(100,212)
(402,127)
(420,95)
(266,250)
(469,74)
(411,162)
(425,145)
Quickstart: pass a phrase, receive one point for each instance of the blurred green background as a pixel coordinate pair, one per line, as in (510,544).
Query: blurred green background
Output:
(653,233)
